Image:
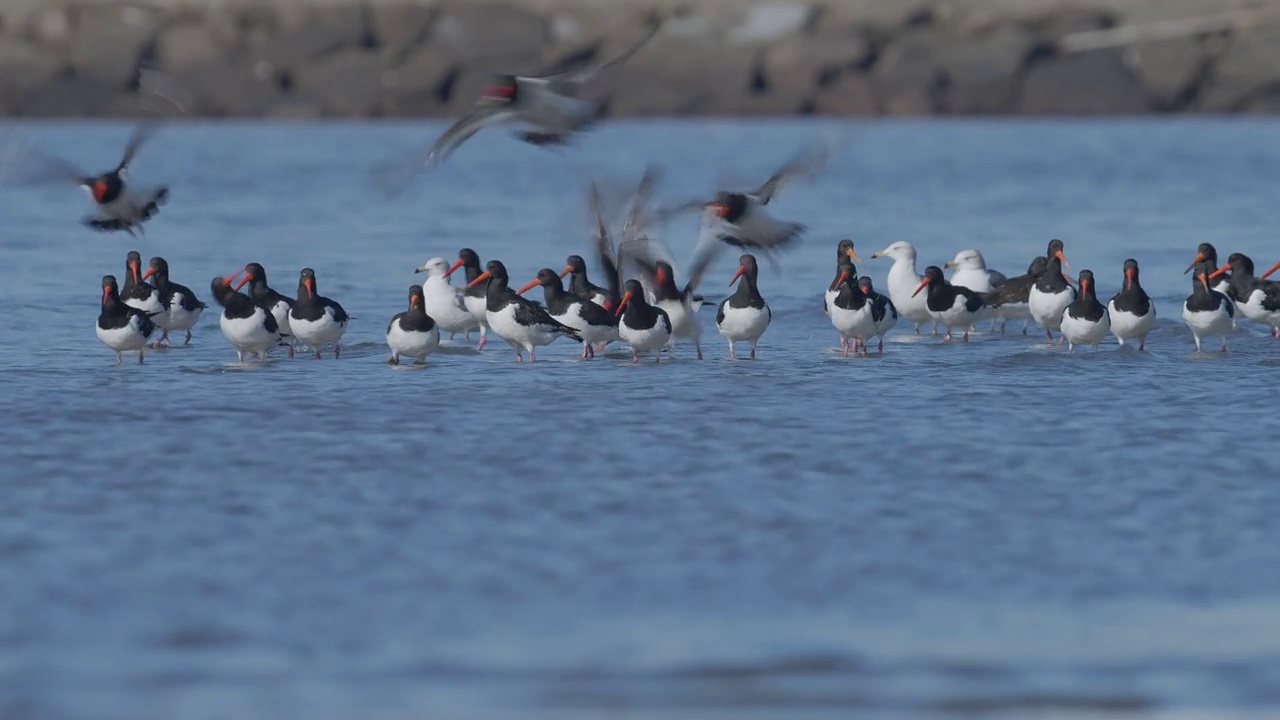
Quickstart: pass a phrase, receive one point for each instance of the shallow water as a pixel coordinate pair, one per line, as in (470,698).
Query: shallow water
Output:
(942,531)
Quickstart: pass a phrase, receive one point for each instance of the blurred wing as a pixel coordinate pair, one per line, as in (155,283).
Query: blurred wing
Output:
(141,134)
(706,251)
(809,161)
(585,70)
(605,251)
(23,163)
(461,131)
(639,216)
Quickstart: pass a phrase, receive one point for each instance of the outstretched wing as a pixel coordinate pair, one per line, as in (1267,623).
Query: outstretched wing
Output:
(583,71)
(607,254)
(23,163)
(481,116)
(809,161)
(141,134)
(708,248)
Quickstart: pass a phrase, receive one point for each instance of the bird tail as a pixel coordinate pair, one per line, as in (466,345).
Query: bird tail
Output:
(571,332)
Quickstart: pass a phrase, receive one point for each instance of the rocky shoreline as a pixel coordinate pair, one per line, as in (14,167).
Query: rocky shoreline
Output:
(383,58)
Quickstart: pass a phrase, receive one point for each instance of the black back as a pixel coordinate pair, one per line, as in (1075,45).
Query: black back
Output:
(310,304)
(135,288)
(942,294)
(1052,281)
(842,255)
(115,314)
(237,306)
(559,302)
(170,289)
(881,305)
(1086,305)
(260,291)
(415,319)
(1203,299)
(581,286)
(1017,289)
(106,188)
(1132,298)
(498,295)
(848,294)
(748,293)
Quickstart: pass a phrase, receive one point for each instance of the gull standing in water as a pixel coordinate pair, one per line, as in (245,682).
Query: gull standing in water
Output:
(444,302)
(903,282)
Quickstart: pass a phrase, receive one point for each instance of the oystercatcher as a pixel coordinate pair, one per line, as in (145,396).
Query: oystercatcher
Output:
(412,333)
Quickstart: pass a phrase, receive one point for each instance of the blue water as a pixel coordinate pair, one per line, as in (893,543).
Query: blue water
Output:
(991,529)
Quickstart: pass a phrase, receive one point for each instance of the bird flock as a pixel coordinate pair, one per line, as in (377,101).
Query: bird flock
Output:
(639,304)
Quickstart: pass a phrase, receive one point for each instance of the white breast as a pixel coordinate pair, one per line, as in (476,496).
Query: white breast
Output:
(180,318)
(743,323)
(129,337)
(590,333)
(152,305)
(249,334)
(318,332)
(853,323)
(1084,332)
(976,279)
(446,307)
(646,340)
(415,344)
(1047,308)
(903,281)
(280,311)
(478,307)
(1126,325)
(504,323)
(684,322)
(1207,322)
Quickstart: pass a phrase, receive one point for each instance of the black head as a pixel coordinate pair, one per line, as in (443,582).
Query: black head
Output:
(307,283)
(747,268)
(415,297)
(730,207)
(1204,253)
(1240,263)
(1200,276)
(1086,282)
(255,274)
(932,279)
(1054,252)
(221,289)
(496,270)
(469,258)
(503,89)
(864,284)
(547,277)
(845,250)
(1037,267)
(159,268)
(110,291)
(666,275)
(133,265)
(1130,273)
(848,273)
(574,264)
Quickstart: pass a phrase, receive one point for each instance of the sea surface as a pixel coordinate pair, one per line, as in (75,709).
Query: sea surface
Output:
(991,529)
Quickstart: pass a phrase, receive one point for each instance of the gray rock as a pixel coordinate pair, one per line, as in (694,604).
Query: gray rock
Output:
(811,60)
(680,74)
(1167,69)
(76,97)
(770,22)
(983,72)
(907,78)
(230,89)
(110,42)
(1094,83)
(1247,68)
(188,43)
(348,84)
(52,27)
(849,96)
(414,86)
(322,32)
(25,65)
(495,37)
(397,26)
(1060,22)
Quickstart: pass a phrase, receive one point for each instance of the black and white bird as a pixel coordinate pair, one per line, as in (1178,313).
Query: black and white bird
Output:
(844,251)
(273,302)
(581,286)
(951,305)
(412,333)
(1011,299)
(852,311)
(119,203)
(184,306)
(744,315)
(473,294)
(316,320)
(596,325)
(1051,293)
(1207,312)
(644,327)
(546,106)
(524,324)
(1257,299)
(1131,311)
(248,326)
(444,302)
(121,327)
(883,312)
(1085,321)
(142,295)
(1207,253)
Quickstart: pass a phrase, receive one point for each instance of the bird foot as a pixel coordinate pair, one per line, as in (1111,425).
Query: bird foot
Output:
(188,342)
(393,360)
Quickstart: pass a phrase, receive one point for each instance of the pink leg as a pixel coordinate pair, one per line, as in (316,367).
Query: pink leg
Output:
(533,355)
(519,357)
(635,358)
(1062,339)
(948,337)
(291,352)
(844,344)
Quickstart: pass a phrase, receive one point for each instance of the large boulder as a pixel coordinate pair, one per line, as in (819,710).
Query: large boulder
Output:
(492,36)
(24,65)
(680,74)
(424,83)
(398,26)
(230,89)
(907,77)
(1247,68)
(849,96)
(812,60)
(323,31)
(77,97)
(347,84)
(1092,83)
(770,22)
(110,42)
(1167,69)
(188,43)
(982,73)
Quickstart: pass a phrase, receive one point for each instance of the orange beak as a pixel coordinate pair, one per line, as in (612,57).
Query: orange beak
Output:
(853,255)
(415,300)
(843,276)
(1273,269)
(311,286)
(231,278)
(567,270)
(1219,272)
(623,305)
(479,278)
(923,283)
(1199,259)
(1063,259)
(453,267)
(248,277)
(741,269)
(106,293)
(149,273)
(720,208)
(1204,280)
(133,268)
(1084,286)
(661,276)
(1128,276)
(532,284)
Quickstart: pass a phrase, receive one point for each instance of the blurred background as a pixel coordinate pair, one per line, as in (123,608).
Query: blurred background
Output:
(405,58)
